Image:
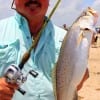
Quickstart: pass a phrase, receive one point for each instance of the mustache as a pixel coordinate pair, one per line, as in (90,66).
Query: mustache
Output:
(32,2)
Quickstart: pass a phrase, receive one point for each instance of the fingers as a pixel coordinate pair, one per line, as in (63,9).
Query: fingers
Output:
(5,97)
(3,82)
(12,86)
(7,94)
(6,89)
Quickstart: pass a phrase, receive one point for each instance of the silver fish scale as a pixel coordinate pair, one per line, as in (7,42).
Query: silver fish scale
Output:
(73,58)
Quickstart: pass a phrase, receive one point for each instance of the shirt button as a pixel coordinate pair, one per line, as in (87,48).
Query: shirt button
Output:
(28,37)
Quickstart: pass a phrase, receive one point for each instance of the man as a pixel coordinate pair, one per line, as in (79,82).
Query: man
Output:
(16,36)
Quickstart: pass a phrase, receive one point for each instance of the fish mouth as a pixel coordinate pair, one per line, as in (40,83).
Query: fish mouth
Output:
(33,4)
(92,11)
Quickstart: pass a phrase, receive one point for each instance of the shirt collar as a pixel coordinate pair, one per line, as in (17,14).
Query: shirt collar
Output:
(23,21)
(20,19)
(48,31)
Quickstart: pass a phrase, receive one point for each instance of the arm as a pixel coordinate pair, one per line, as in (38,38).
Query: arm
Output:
(85,77)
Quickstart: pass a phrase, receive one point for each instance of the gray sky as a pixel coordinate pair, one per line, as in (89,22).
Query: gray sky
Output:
(66,13)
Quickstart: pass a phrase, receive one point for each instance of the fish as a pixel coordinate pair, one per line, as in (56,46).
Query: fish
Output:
(74,53)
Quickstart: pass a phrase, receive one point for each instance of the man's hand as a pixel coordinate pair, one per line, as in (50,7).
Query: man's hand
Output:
(6,89)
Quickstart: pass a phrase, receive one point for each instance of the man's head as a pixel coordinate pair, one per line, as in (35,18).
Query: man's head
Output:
(29,8)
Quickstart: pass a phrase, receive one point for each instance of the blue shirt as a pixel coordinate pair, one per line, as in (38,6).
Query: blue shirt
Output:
(15,40)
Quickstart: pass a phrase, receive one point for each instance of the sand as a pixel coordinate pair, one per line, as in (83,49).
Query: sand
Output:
(91,87)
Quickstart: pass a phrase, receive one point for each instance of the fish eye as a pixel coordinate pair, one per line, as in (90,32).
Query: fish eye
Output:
(86,29)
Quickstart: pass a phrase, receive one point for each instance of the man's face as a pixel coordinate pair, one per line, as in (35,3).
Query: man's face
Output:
(29,8)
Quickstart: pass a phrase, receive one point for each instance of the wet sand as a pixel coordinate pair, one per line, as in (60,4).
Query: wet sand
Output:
(91,88)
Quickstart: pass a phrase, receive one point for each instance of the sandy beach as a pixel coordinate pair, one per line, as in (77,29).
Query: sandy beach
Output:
(91,88)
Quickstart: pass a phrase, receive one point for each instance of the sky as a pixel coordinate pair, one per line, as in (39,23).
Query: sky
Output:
(66,13)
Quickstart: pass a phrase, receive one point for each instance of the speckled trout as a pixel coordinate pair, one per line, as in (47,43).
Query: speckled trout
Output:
(74,53)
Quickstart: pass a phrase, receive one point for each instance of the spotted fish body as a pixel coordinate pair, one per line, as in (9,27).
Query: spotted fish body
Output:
(73,58)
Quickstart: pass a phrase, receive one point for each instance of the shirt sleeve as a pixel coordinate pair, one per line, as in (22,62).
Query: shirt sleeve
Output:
(59,36)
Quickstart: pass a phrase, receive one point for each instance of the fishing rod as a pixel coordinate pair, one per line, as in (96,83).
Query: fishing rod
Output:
(34,44)
(13,73)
